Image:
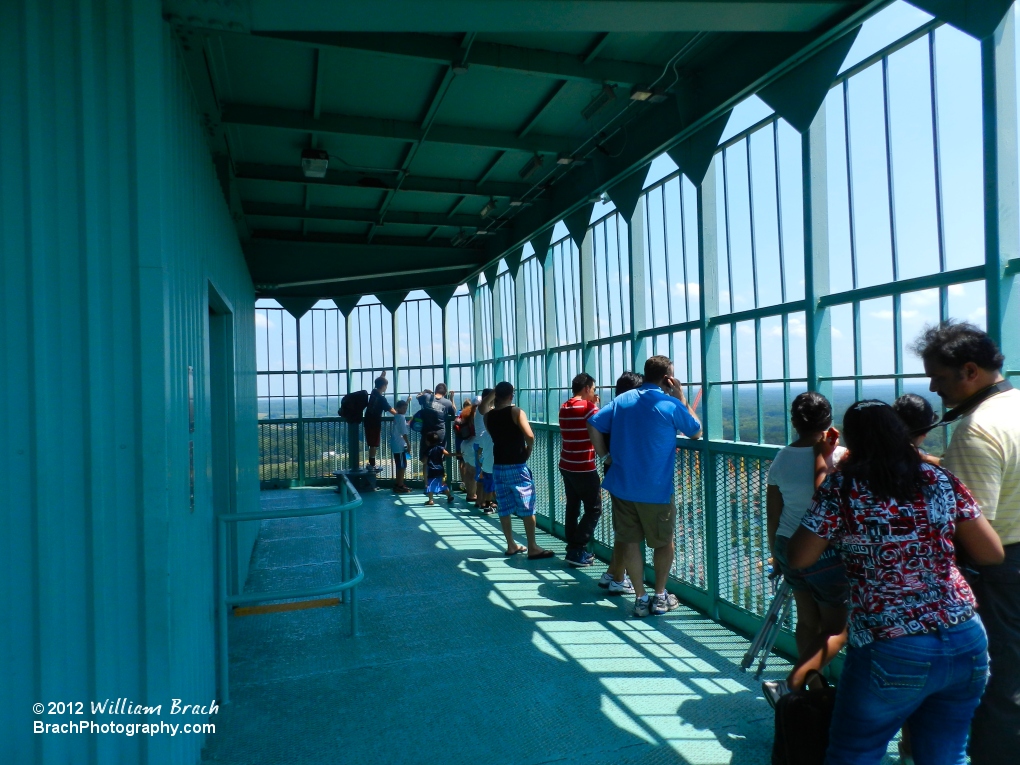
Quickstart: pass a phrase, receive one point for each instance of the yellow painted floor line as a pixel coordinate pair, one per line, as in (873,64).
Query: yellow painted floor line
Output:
(272,608)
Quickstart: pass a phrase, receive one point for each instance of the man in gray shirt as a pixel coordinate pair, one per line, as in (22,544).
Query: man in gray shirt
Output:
(436,409)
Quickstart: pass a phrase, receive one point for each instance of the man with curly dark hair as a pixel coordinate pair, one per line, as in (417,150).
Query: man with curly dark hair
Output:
(965,368)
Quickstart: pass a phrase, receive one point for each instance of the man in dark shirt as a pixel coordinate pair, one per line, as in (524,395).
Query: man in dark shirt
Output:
(436,409)
(377,407)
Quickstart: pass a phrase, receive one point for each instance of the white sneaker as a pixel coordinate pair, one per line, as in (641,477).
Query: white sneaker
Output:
(620,588)
(773,690)
(664,603)
(641,606)
(605,580)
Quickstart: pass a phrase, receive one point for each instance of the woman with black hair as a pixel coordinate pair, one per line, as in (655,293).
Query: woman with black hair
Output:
(917,649)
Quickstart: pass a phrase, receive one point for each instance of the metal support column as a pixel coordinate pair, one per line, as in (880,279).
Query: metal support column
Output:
(1002,217)
(520,335)
(300,410)
(587,300)
(637,262)
(497,332)
(711,368)
(816,257)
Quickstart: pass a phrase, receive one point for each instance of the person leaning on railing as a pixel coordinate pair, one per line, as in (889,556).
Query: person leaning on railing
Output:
(917,650)
(436,409)
(821,592)
(642,458)
(965,369)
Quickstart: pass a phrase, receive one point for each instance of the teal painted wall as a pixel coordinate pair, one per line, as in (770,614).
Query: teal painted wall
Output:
(112,228)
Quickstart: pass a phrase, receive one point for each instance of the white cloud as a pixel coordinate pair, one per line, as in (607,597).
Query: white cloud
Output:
(262,321)
(923,298)
(957,289)
(881,314)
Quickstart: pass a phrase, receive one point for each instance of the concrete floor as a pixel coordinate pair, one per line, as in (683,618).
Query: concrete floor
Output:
(466,656)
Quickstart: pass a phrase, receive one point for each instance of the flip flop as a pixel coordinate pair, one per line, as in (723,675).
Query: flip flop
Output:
(543,554)
(518,551)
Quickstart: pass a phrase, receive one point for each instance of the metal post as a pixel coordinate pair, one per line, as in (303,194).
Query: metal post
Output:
(347,360)
(711,369)
(520,334)
(300,410)
(497,331)
(478,344)
(818,325)
(636,239)
(587,300)
(345,497)
(353,529)
(223,622)
(1002,218)
(551,374)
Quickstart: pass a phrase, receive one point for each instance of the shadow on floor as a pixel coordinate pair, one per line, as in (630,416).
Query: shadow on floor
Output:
(468,656)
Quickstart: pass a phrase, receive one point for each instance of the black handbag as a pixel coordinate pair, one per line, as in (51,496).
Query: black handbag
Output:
(802,725)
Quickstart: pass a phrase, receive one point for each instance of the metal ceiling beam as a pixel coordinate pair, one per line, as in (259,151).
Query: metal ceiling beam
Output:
(544,15)
(279,261)
(361,215)
(435,102)
(397,130)
(422,184)
(751,62)
(487,55)
(354,289)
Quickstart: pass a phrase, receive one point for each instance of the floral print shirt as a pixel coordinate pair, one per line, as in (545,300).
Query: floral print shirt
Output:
(899,558)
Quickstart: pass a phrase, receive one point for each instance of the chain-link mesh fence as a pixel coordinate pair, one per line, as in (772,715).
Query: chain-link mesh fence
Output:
(278,451)
(743,546)
(691,529)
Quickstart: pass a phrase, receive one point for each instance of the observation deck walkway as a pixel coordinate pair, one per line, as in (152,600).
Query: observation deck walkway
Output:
(466,656)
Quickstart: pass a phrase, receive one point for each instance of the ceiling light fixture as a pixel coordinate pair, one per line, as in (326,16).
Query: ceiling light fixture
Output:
(605,97)
(531,168)
(651,95)
(489,207)
(314,163)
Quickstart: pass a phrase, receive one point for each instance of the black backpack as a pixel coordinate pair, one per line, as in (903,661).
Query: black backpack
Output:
(352,407)
(802,726)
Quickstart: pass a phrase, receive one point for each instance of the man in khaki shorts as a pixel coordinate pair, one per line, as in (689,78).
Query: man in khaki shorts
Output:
(644,423)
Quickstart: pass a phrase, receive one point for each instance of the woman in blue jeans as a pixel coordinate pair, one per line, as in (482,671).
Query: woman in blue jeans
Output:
(917,650)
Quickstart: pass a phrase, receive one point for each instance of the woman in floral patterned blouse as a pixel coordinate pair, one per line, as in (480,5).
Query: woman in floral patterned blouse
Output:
(917,651)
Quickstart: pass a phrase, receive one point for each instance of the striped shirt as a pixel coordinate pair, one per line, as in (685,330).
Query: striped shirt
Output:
(577,454)
(984,453)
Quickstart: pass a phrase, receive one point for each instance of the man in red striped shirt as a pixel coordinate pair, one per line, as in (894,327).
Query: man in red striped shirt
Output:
(577,466)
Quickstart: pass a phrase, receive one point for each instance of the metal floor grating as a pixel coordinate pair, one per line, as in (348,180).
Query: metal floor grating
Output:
(468,657)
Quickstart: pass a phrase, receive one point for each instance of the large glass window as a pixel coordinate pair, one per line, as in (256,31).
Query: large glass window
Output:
(760,214)
(276,356)
(612,276)
(672,290)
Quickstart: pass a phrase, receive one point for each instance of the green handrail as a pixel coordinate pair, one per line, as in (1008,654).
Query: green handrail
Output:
(350,567)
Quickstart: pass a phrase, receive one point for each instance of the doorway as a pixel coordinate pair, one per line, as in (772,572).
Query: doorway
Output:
(220,384)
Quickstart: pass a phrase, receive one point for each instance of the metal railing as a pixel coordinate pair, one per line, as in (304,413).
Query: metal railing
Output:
(300,505)
(307,452)
(721,564)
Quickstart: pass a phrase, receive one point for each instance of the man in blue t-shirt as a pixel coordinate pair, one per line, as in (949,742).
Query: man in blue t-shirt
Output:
(644,423)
